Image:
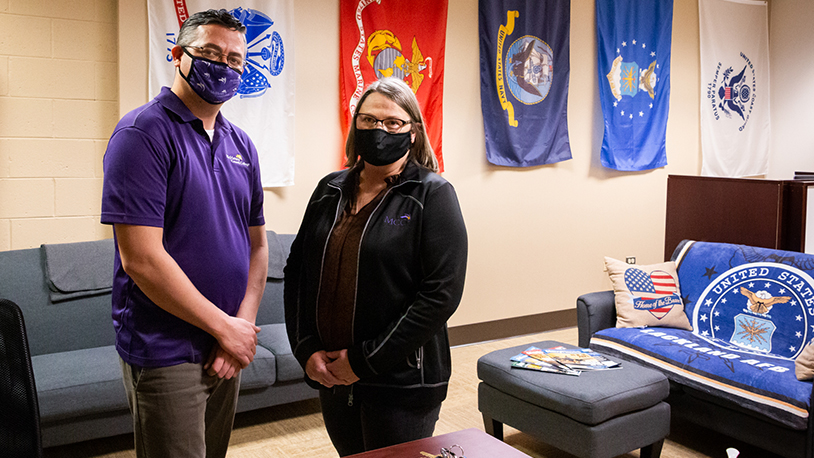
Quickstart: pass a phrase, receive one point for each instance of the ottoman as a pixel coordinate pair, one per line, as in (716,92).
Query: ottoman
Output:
(599,414)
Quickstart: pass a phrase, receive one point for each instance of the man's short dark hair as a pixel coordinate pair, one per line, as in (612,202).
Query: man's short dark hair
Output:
(188,33)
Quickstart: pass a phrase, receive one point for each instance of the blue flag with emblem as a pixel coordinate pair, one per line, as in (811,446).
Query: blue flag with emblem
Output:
(524,61)
(633,46)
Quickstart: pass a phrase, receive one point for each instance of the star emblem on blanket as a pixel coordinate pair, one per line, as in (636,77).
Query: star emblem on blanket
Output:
(710,272)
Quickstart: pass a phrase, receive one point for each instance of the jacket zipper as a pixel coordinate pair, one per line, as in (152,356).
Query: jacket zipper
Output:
(358,256)
(324,249)
(361,240)
(359,250)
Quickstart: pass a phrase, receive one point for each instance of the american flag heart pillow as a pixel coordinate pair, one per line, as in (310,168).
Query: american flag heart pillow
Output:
(647,295)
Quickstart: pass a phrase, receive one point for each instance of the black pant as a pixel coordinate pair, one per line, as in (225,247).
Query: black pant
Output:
(357,425)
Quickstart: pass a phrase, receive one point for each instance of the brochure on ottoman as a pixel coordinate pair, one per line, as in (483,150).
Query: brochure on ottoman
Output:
(561,360)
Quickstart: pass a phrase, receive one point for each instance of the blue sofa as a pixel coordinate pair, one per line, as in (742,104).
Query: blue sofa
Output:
(752,312)
(64,293)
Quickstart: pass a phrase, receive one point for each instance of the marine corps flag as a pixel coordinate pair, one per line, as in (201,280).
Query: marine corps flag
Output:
(735,123)
(633,45)
(399,38)
(524,62)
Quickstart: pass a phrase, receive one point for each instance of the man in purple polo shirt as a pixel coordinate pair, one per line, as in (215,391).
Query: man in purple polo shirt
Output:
(182,190)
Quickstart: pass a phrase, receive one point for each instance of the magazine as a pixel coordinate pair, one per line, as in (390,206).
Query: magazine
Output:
(561,360)
(541,356)
(523,361)
(581,359)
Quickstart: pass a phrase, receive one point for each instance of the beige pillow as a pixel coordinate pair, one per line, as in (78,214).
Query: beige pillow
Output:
(804,364)
(647,295)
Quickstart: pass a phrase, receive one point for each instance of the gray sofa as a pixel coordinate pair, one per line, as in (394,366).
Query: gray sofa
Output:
(734,372)
(596,311)
(64,293)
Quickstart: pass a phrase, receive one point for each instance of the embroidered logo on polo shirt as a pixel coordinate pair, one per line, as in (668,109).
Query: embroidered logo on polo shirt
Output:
(237,159)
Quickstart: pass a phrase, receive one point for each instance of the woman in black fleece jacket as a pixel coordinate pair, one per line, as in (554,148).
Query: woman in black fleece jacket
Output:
(374,274)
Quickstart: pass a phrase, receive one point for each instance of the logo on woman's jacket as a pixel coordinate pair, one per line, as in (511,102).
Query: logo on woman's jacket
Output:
(402,220)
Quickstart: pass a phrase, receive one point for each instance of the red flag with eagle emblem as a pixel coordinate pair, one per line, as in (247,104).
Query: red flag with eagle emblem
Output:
(400,38)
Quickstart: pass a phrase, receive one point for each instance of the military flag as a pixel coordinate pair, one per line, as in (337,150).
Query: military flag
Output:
(399,38)
(735,123)
(264,104)
(633,46)
(524,68)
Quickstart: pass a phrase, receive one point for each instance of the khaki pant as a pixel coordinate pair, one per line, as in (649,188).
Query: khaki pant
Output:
(180,411)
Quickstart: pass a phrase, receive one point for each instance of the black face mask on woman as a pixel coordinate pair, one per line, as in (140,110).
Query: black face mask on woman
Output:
(380,147)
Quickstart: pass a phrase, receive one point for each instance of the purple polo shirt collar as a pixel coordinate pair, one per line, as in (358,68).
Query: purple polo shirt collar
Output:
(172,102)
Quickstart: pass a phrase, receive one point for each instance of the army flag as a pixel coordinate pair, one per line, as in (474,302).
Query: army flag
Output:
(399,38)
(524,71)
(735,123)
(633,46)
(264,104)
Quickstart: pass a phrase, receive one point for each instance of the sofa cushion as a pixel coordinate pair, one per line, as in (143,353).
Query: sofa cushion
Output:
(262,372)
(762,383)
(274,338)
(78,383)
(804,364)
(277,256)
(646,295)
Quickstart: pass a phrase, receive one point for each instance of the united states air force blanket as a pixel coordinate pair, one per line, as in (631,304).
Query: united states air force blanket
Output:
(752,312)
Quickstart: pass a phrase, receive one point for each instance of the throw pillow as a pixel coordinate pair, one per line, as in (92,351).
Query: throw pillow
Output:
(804,364)
(647,295)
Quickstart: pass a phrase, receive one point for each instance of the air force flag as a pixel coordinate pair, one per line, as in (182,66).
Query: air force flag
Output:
(633,44)
(524,61)
(264,104)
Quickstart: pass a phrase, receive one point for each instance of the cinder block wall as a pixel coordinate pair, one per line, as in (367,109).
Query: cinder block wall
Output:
(58,107)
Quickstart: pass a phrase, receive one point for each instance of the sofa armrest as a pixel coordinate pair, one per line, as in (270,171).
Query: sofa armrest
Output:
(595,311)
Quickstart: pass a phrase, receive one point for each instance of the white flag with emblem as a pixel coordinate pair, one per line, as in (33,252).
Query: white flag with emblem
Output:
(735,118)
(264,104)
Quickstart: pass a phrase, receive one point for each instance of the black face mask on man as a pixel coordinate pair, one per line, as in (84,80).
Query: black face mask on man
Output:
(380,147)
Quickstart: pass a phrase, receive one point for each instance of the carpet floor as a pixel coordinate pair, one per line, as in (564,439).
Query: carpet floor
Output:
(296,430)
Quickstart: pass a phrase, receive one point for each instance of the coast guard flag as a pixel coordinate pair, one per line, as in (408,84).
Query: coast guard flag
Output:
(400,38)
(735,123)
(524,69)
(264,104)
(633,43)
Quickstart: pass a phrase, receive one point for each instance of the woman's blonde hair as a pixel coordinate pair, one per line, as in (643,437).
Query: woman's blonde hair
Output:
(400,93)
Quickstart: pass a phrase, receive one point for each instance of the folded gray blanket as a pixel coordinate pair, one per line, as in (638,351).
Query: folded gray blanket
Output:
(75,270)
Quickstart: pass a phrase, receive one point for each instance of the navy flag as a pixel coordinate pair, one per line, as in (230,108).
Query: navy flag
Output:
(524,61)
(633,45)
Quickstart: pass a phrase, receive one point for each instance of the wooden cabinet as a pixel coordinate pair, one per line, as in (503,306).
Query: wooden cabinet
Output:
(764,213)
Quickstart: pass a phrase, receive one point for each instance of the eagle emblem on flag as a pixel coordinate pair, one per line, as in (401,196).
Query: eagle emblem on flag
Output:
(734,93)
(630,78)
(385,55)
(530,61)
